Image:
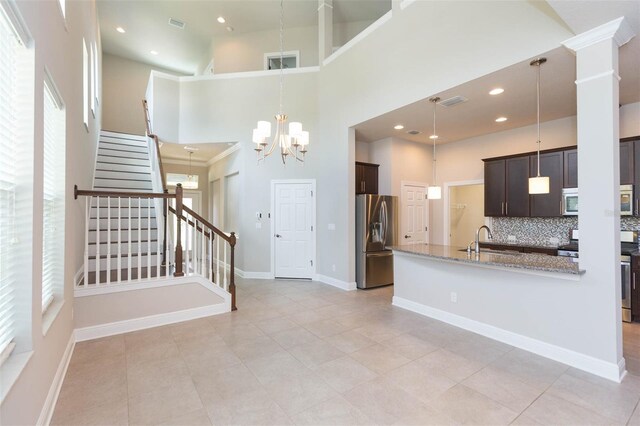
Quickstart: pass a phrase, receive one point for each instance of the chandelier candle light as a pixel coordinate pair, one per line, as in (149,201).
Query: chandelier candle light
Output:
(538,184)
(292,143)
(434,192)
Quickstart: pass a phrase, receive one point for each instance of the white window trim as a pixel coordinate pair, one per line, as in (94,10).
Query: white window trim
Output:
(92,80)
(95,71)
(286,54)
(85,85)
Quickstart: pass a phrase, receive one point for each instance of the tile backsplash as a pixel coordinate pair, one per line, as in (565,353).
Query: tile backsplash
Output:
(541,230)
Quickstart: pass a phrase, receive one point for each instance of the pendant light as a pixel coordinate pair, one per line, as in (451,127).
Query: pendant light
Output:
(434,192)
(191,182)
(293,142)
(538,184)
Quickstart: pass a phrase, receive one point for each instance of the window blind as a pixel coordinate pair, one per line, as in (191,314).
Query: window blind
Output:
(53,202)
(9,46)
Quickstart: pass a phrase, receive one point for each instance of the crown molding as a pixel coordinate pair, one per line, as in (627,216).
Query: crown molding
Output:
(225,153)
(619,30)
(183,162)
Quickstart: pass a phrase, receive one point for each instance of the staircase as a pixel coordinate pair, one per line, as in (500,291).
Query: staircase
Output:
(119,226)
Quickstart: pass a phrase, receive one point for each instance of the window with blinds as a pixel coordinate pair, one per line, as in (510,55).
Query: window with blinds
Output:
(9,47)
(54,194)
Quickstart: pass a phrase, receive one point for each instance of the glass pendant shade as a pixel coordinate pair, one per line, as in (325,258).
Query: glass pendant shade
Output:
(539,185)
(434,192)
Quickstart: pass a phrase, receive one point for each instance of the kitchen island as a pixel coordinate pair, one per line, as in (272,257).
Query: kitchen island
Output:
(520,299)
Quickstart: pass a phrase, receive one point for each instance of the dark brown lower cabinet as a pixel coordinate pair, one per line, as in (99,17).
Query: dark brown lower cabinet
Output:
(520,249)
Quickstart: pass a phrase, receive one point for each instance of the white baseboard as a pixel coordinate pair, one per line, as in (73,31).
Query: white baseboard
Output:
(254,275)
(54,391)
(343,285)
(608,370)
(135,324)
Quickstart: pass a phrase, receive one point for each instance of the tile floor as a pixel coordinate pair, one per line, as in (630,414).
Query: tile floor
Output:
(306,353)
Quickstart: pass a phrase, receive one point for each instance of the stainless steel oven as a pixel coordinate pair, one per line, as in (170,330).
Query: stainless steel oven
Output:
(570,201)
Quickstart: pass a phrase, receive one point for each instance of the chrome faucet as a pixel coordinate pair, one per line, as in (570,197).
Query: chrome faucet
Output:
(477,246)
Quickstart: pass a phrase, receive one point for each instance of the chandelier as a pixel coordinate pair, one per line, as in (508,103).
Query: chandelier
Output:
(191,182)
(291,141)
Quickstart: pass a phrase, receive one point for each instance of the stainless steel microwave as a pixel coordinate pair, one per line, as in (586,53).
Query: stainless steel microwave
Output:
(570,201)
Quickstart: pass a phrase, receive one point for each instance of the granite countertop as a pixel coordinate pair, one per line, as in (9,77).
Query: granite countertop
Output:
(529,261)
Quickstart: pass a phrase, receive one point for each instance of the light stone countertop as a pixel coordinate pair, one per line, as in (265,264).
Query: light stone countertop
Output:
(529,261)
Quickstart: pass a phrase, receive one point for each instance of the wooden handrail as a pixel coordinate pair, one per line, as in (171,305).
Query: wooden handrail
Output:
(147,122)
(201,229)
(83,192)
(202,220)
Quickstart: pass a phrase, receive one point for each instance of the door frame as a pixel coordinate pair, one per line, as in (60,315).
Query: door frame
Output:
(447,211)
(424,185)
(272,216)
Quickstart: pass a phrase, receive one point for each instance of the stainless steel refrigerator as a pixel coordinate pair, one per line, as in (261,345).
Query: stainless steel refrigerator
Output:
(376,228)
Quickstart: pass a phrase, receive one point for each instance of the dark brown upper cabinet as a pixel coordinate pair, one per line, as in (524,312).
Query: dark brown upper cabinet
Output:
(570,168)
(506,187)
(494,187)
(517,200)
(636,177)
(551,165)
(626,163)
(366,178)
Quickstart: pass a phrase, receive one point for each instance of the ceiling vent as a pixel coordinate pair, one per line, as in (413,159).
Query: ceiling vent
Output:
(176,23)
(453,101)
(414,132)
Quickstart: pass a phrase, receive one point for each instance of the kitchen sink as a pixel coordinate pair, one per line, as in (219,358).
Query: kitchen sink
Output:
(498,252)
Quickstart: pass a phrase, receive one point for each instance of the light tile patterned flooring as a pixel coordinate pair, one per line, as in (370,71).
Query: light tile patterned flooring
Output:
(306,353)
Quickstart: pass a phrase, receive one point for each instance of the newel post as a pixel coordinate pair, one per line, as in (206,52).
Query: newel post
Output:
(232,272)
(179,272)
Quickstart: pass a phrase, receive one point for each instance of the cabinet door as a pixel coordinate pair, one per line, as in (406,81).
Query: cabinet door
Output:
(570,168)
(370,178)
(517,176)
(626,163)
(547,205)
(359,179)
(494,187)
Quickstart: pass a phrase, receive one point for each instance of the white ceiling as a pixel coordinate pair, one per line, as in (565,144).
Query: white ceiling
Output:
(205,152)
(147,28)
(518,103)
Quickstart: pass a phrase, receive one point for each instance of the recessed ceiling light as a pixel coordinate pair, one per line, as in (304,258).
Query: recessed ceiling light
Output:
(221,20)
(153,52)
(398,127)
(120,30)
(191,148)
(413,132)
(501,119)
(496,91)
(230,29)
(433,137)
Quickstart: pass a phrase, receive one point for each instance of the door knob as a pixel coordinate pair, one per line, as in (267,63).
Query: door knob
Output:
(278,236)
(407,236)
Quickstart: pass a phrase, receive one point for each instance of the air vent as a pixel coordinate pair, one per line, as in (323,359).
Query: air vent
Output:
(176,23)
(414,132)
(453,101)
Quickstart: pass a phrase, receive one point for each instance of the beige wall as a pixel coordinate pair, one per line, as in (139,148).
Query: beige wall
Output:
(466,207)
(124,85)
(399,161)
(362,151)
(203,182)
(58,47)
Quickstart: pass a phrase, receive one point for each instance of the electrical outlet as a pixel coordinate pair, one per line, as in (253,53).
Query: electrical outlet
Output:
(511,238)
(331,227)
(454,297)
(333,268)
(554,240)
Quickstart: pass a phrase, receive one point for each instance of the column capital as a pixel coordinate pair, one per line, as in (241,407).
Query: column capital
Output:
(619,30)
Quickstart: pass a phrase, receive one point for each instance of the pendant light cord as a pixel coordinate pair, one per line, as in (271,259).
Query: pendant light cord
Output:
(281,53)
(434,142)
(538,114)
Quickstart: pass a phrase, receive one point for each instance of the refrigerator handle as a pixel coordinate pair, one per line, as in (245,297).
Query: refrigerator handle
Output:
(383,214)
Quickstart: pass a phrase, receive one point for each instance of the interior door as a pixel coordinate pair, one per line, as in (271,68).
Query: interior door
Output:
(294,243)
(414,215)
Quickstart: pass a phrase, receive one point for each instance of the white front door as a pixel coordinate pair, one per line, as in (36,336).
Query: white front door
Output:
(414,214)
(294,215)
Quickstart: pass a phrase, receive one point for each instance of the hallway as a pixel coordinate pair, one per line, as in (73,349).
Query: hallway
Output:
(307,353)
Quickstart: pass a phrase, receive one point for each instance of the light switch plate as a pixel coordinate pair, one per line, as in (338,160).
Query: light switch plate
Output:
(258,225)
(331,227)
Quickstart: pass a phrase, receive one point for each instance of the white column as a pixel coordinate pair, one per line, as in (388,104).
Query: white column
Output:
(325,29)
(599,177)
